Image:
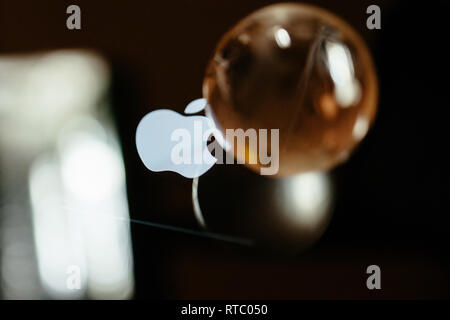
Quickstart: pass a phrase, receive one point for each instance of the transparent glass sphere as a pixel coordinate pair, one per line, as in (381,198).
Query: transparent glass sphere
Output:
(299,69)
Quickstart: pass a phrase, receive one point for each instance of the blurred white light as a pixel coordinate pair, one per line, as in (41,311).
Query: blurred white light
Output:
(360,128)
(64,81)
(19,276)
(77,188)
(347,89)
(309,197)
(340,63)
(349,94)
(91,170)
(282,38)
(81,218)
(39,93)
(58,241)
(93,176)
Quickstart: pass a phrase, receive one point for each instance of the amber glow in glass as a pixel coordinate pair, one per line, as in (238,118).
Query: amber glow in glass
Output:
(299,69)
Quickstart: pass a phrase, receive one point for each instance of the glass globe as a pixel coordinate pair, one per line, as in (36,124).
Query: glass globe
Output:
(299,69)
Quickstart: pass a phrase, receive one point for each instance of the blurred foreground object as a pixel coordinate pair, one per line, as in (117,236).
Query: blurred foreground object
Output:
(299,69)
(65,221)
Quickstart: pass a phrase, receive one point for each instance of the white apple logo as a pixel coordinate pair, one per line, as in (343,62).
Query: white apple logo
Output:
(163,141)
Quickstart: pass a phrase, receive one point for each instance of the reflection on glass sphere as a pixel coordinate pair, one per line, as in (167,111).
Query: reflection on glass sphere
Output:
(299,69)
(285,215)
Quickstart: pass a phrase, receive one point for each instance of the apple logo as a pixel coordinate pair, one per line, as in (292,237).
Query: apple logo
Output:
(169,141)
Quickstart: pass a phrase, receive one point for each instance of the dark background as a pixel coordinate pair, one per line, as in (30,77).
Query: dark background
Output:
(392,196)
